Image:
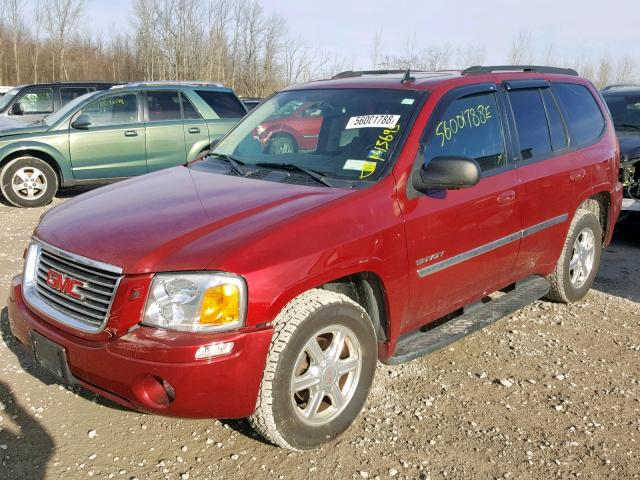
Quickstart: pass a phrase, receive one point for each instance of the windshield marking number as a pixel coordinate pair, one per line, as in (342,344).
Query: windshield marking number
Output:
(372,121)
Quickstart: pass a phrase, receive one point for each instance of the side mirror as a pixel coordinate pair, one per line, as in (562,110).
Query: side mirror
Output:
(449,173)
(17,109)
(83,122)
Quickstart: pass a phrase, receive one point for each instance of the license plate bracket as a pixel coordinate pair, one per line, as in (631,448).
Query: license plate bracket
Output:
(52,357)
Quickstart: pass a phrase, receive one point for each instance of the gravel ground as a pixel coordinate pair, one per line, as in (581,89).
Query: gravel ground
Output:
(552,391)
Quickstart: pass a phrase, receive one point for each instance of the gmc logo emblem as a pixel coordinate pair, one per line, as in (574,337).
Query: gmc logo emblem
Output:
(64,284)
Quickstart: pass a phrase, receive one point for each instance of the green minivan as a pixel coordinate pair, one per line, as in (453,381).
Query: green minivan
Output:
(113,134)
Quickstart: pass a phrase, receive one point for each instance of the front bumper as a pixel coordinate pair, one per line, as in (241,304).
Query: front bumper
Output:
(129,370)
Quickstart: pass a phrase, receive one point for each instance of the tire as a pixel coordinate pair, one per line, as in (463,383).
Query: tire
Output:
(566,283)
(281,144)
(28,182)
(307,320)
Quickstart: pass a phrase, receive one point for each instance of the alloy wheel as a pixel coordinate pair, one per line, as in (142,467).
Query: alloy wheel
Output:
(326,375)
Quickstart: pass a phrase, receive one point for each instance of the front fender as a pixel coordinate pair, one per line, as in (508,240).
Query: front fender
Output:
(33,147)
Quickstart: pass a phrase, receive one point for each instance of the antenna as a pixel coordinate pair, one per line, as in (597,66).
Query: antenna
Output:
(407,77)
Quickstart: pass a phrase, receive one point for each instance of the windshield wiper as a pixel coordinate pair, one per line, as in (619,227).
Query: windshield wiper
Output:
(627,125)
(236,165)
(292,167)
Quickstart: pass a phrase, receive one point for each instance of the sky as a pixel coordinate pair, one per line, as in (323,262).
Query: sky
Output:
(576,29)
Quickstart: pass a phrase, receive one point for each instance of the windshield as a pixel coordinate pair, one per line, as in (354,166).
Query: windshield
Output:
(625,110)
(58,115)
(6,99)
(347,136)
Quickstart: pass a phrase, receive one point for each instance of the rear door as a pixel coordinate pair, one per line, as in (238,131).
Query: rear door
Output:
(165,133)
(552,170)
(225,111)
(114,145)
(196,132)
(463,243)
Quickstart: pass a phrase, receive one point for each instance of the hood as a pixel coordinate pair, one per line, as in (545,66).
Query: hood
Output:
(183,218)
(629,145)
(10,127)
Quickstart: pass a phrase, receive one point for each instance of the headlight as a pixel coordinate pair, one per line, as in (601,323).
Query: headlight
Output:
(196,302)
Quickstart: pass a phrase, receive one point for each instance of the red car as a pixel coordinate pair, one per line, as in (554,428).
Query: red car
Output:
(294,126)
(267,284)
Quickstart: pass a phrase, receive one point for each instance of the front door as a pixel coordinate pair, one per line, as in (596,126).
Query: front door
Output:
(462,244)
(165,132)
(113,146)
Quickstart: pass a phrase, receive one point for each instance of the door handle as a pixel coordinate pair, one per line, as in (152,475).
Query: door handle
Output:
(505,198)
(130,133)
(578,175)
(194,130)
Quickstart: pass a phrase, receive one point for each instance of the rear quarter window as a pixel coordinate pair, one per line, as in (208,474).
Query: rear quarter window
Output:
(583,115)
(225,104)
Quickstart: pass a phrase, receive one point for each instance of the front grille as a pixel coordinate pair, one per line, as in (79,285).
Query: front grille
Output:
(96,291)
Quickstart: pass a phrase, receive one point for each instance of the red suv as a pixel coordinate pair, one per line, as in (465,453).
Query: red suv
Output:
(267,284)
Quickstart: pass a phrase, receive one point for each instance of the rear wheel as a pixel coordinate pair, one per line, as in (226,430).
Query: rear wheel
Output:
(578,264)
(28,182)
(320,367)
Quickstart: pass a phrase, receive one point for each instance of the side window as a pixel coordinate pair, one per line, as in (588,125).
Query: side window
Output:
(113,110)
(69,93)
(584,118)
(470,127)
(225,104)
(163,105)
(313,110)
(37,101)
(559,138)
(188,110)
(531,123)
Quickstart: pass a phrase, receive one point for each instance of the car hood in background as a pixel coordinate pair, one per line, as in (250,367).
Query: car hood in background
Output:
(182,218)
(629,145)
(10,127)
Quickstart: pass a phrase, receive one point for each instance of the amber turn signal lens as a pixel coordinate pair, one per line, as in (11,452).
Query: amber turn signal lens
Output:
(220,305)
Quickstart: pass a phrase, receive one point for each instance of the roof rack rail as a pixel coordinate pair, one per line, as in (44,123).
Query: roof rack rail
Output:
(475,70)
(621,85)
(360,73)
(187,83)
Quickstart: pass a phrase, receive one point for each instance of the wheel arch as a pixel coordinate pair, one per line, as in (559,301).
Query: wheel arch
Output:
(600,205)
(367,290)
(284,130)
(197,148)
(43,155)
(365,287)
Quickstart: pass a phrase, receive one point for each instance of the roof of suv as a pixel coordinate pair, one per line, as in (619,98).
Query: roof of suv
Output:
(55,84)
(423,80)
(621,89)
(162,84)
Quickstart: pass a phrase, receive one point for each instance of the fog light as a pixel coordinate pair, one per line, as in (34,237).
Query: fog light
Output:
(214,350)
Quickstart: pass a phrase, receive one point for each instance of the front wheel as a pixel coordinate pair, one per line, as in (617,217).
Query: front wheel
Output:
(578,264)
(281,144)
(28,182)
(319,370)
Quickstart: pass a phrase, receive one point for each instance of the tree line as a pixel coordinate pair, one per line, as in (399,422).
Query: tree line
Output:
(232,41)
(603,70)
